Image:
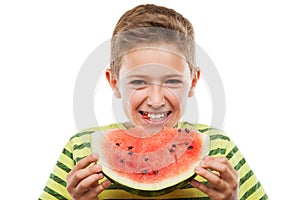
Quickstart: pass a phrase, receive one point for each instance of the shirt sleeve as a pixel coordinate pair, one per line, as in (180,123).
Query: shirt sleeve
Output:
(56,184)
(249,186)
(78,147)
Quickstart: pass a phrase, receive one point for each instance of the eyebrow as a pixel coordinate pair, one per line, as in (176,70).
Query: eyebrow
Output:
(137,76)
(145,76)
(174,76)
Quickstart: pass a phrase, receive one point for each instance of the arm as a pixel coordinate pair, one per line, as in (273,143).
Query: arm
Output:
(82,181)
(221,176)
(56,184)
(226,169)
(74,177)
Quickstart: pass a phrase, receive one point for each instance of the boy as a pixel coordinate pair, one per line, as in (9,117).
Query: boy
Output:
(153,72)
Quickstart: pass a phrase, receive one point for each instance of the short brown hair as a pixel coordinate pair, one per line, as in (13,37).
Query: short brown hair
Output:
(148,24)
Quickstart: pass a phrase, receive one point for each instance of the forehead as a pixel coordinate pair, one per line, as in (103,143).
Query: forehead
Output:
(163,58)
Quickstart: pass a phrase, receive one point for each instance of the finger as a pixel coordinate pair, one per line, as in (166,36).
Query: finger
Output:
(97,190)
(222,166)
(225,161)
(207,190)
(83,163)
(81,174)
(88,183)
(213,179)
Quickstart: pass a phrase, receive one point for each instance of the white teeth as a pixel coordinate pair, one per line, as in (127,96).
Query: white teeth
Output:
(157,117)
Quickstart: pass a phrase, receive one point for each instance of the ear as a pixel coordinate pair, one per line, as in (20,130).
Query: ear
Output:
(195,79)
(113,83)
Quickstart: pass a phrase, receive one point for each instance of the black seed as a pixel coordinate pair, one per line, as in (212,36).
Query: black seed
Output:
(186,143)
(130,153)
(171,150)
(118,144)
(155,172)
(187,130)
(190,147)
(144,171)
(173,145)
(121,161)
(130,147)
(179,130)
(146,159)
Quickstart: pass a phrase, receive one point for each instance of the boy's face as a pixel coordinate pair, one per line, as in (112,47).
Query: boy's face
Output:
(154,85)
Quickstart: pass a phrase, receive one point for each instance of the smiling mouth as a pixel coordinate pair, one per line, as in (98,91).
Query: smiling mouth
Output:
(155,116)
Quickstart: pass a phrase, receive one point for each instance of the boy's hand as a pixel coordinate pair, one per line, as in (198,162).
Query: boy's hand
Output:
(82,181)
(221,185)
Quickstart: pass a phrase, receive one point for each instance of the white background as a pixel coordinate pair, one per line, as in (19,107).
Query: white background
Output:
(254,45)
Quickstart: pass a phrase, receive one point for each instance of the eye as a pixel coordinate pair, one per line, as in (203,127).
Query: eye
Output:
(138,82)
(173,83)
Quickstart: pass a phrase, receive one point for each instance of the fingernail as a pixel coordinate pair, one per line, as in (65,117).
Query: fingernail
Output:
(198,169)
(95,155)
(106,183)
(97,168)
(203,161)
(193,183)
(206,158)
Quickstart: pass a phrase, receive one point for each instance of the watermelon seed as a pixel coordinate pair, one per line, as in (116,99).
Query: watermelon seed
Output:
(130,153)
(144,171)
(187,130)
(118,144)
(174,145)
(146,159)
(186,143)
(130,147)
(190,147)
(179,130)
(121,161)
(171,150)
(155,172)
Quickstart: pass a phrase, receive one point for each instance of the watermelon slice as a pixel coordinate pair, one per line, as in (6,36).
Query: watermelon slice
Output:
(150,165)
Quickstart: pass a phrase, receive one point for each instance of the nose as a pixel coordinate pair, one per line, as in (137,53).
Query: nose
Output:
(156,95)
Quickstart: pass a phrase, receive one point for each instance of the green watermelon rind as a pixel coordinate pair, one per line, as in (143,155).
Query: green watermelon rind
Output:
(151,193)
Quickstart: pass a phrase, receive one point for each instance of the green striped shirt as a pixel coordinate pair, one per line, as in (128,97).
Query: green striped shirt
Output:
(79,146)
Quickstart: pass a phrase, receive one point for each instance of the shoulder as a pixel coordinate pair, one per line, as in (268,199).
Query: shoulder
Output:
(220,142)
(213,132)
(80,143)
(88,131)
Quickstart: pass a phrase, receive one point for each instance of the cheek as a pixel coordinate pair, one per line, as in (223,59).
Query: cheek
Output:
(133,99)
(178,97)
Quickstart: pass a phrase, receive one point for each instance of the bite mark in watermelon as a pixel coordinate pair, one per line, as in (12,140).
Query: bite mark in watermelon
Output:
(153,165)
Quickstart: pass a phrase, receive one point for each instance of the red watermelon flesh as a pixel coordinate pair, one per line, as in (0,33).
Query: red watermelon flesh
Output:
(149,163)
